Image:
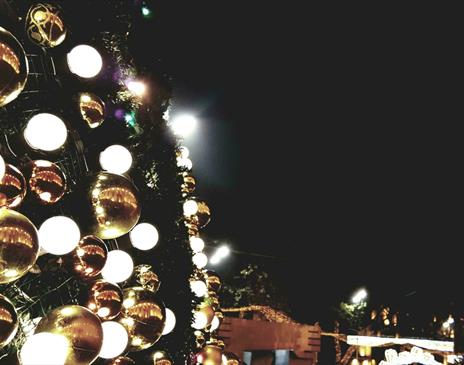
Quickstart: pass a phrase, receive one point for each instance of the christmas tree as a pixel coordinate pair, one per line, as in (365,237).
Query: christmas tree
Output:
(100,252)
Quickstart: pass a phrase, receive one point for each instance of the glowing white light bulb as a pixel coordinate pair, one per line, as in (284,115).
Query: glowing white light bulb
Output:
(137,88)
(170,322)
(2,167)
(190,208)
(200,260)
(200,320)
(85,61)
(196,244)
(118,267)
(115,340)
(45,348)
(184,125)
(45,132)
(185,163)
(223,251)
(199,288)
(144,236)
(116,159)
(215,323)
(59,235)
(184,152)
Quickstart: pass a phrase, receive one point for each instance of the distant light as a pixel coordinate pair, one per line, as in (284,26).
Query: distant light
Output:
(184,125)
(144,236)
(170,322)
(190,208)
(197,244)
(45,348)
(59,235)
(146,12)
(118,267)
(450,320)
(45,132)
(359,296)
(115,340)
(214,260)
(130,119)
(200,260)
(85,61)
(116,159)
(199,288)
(223,251)
(137,88)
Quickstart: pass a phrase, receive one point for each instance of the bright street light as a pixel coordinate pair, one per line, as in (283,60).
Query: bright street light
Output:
(221,253)
(184,125)
(359,296)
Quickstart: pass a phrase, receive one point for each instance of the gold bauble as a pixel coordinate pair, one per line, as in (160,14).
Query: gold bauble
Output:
(120,360)
(12,187)
(189,183)
(202,216)
(19,245)
(213,281)
(161,358)
(211,355)
(146,278)
(114,205)
(104,299)
(143,316)
(213,300)
(81,328)
(88,258)
(192,227)
(46,181)
(208,310)
(92,109)
(200,339)
(13,67)
(8,321)
(44,26)
(231,358)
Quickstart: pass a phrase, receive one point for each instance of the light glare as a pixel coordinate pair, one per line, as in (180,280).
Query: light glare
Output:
(184,125)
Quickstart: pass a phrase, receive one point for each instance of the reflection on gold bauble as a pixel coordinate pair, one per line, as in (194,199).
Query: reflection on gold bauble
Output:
(143,316)
(146,278)
(114,205)
(44,26)
(120,360)
(202,216)
(208,310)
(81,328)
(12,187)
(189,183)
(8,321)
(88,258)
(213,281)
(104,299)
(192,227)
(231,358)
(161,358)
(213,300)
(211,355)
(92,109)
(46,181)
(19,245)
(13,67)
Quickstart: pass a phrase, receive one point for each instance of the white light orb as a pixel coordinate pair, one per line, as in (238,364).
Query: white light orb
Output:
(59,235)
(170,322)
(215,323)
(45,348)
(199,288)
(215,259)
(184,125)
(223,251)
(196,244)
(118,267)
(144,236)
(116,159)
(45,132)
(2,167)
(115,340)
(200,320)
(200,260)
(137,88)
(184,152)
(190,208)
(85,61)
(185,163)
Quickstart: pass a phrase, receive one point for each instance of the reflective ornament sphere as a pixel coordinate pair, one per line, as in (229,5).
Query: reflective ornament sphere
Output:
(92,109)
(189,184)
(119,266)
(170,322)
(104,299)
(162,358)
(84,61)
(19,245)
(46,181)
(207,309)
(45,132)
(88,258)
(211,355)
(113,206)
(80,327)
(121,360)
(12,187)
(146,278)
(44,27)
(59,235)
(45,348)
(231,358)
(115,340)
(143,316)
(14,67)
(213,281)
(8,321)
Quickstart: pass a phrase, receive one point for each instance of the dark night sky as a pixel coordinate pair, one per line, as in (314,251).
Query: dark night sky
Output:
(317,143)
